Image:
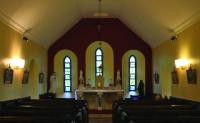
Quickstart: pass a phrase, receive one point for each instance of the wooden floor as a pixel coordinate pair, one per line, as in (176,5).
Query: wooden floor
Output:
(100,118)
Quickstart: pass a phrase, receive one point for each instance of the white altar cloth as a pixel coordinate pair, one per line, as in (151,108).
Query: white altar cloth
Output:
(80,92)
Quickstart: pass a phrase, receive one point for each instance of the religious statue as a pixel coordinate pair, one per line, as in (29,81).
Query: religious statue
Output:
(141,88)
(81,80)
(53,84)
(118,79)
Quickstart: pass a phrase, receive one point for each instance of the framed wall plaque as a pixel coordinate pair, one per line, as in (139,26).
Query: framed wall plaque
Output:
(175,79)
(25,77)
(41,77)
(8,76)
(191,75)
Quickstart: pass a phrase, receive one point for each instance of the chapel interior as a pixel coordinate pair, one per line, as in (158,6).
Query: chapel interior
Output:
(99,61)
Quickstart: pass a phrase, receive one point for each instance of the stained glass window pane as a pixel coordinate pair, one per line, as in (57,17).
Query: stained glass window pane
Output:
(98,63)
(67,59)
(132,64)
(98,52)
(67,70)
(67,89)
(67,82)
(132,82)
(99,58)
(67,65)
(132,73)
(132,70)
(132,76)
(132,59)
(132,88)
(67,74)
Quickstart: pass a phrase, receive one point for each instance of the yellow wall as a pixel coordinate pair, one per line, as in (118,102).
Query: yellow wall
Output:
(140,67)
(58,68)
(12,45)
(186,46)
(108,62)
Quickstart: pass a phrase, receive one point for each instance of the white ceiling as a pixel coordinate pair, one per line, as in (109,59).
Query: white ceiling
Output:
(44,21)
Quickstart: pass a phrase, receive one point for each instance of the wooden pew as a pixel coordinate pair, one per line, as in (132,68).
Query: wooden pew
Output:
(82,105)
(150,111)
(76,110)
(34,119)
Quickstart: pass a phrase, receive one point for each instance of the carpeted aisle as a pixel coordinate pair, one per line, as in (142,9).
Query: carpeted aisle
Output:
(100,118)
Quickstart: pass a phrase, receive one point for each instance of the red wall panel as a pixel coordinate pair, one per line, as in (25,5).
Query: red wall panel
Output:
(114,32)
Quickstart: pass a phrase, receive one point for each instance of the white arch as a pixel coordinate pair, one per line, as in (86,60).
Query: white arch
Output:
(58,68)
(140,68)
(108,61)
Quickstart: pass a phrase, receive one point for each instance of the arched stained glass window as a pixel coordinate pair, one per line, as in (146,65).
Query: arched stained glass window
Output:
(99,62)
(67,74)
(132,73)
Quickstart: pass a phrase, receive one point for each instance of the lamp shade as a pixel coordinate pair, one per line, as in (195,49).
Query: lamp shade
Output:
(181,63)
(17,63)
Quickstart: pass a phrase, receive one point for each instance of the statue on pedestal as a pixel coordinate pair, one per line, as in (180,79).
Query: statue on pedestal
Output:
(81,80)
(141,88)
(118,79)
(53,84)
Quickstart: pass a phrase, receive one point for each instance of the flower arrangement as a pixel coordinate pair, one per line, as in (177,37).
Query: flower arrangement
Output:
(88,83)
(111,84)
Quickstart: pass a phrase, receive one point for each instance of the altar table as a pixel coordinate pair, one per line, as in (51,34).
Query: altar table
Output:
(104,97)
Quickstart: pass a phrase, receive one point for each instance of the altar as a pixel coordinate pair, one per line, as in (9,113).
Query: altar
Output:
(99,98)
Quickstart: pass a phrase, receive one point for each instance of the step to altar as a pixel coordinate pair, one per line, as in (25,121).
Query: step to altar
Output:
(95,111)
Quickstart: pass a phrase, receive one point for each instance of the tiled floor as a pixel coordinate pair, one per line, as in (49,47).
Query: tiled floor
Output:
(100,118)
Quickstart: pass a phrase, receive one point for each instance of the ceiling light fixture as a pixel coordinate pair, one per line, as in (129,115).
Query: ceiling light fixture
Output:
(99,13)
(99,17)
(173,35)
(99,25)
(24,35)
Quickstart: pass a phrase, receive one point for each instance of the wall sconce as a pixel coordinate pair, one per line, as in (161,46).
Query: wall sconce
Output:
(181,63)
(17,63)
